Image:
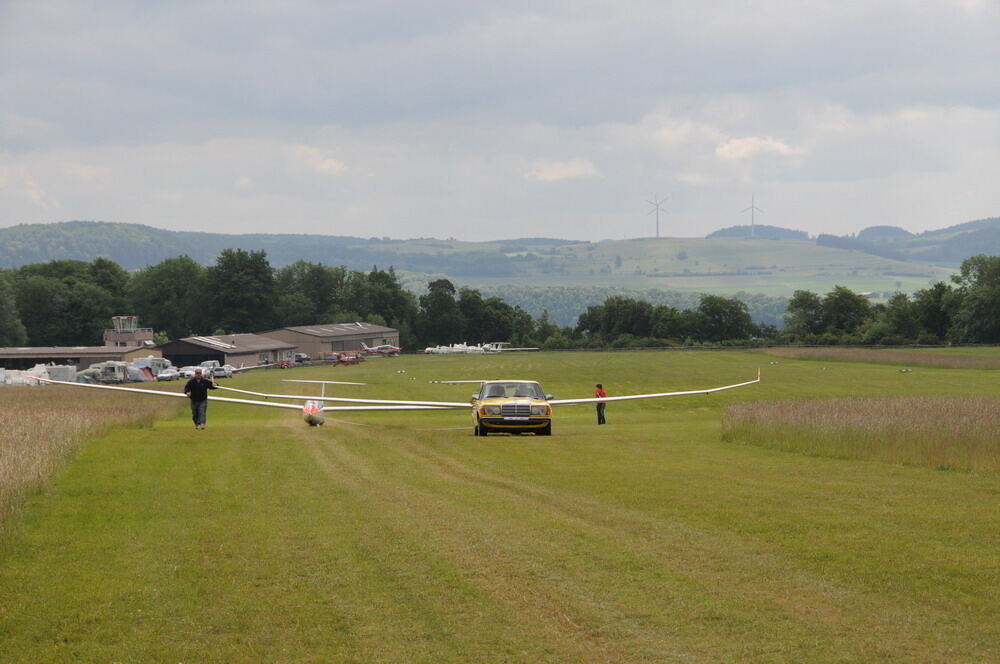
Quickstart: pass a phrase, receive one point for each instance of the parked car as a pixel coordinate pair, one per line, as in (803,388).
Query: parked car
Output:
(302,357)
(225,371)
(188,372)
(168,374)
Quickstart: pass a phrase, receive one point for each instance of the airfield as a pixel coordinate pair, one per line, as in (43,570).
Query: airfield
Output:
(400,537)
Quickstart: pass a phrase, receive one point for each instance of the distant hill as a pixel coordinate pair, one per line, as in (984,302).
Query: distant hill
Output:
(761,232)
(947,245)
(884,235)
(133,246)
(720,265)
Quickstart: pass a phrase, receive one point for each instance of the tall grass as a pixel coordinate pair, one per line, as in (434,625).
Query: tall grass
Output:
(41,428)
(938,432)
(888,356)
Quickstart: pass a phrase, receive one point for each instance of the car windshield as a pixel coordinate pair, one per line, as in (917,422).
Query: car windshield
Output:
(512,390)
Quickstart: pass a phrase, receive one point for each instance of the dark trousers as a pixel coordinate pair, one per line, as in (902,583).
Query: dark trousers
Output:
(198,411)
(600,413)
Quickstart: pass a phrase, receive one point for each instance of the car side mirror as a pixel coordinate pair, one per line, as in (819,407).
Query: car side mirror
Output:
(550,397)
(475,397)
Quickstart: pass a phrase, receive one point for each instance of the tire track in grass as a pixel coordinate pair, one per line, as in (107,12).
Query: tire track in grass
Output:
(648,540)
(782,576)
(438,613)
(762,578)
(541,576)
(498,608)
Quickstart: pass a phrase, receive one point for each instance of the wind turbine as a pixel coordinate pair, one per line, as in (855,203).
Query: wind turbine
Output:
(656,208)
(753,208)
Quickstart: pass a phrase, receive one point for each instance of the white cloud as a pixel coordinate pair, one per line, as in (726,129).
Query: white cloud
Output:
(20,189)
(557,171)
(15,128)
(752,146)
(338,117)
(317,160)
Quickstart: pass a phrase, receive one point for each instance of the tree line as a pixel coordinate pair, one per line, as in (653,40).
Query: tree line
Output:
(70,302)
(967,310)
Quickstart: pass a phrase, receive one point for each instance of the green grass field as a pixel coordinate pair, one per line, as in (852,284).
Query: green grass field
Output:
(399,537)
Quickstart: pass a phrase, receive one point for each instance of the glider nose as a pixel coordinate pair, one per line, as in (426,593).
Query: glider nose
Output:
(312,412)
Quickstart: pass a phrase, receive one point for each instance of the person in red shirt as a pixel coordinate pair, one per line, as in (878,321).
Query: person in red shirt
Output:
(599,393)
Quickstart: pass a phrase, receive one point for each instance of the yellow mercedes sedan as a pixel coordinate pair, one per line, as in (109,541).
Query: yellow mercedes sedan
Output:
(512,406)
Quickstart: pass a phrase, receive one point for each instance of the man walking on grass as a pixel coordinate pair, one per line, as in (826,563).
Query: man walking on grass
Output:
(197,390)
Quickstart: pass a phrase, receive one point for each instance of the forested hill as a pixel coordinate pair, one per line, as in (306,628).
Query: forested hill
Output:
(761,232)
(947,245)
(133,246)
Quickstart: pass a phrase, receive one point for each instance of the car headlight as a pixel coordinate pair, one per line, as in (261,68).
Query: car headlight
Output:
(492,410)
(539,410)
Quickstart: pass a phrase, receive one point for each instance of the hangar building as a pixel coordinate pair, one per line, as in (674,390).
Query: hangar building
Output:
(79,356)
(315,340)
(239,350)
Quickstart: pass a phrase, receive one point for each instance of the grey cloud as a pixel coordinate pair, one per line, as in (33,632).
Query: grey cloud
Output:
(424,120)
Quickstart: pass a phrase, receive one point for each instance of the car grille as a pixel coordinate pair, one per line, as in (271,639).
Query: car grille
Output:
(515,410)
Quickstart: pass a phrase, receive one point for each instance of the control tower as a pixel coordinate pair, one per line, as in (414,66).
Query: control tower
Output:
(127,332)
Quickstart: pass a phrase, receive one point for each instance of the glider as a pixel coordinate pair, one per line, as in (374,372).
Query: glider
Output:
(513,406)
(312,409)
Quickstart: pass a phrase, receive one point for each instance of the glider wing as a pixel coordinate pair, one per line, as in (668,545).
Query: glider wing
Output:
(248,402)
(629,397)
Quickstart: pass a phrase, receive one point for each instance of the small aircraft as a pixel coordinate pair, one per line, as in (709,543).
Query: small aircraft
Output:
(503,347)
(514,406)
(457,348)
(385,350)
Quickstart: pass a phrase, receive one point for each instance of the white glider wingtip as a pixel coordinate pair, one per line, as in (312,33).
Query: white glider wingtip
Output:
(456,382)
(323,382)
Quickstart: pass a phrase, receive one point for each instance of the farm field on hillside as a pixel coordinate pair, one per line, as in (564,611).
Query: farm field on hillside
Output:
(401,537)
(771,267)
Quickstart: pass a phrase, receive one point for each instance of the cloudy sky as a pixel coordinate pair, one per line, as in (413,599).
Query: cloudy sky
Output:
(490,120)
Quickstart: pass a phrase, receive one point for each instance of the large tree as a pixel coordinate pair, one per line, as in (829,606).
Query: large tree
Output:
(844,310)
(43,303)
(242,291)
(440,320)
(900,318)
(309,292)
(170,297)
(804,314)
(65,303)
(977,319)
(388,298)
(935,307)
(722,318)
(12,330)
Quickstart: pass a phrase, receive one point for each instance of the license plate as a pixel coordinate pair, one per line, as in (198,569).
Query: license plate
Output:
(517,418)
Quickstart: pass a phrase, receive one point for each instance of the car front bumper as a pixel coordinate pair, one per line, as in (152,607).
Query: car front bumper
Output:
(515,423)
